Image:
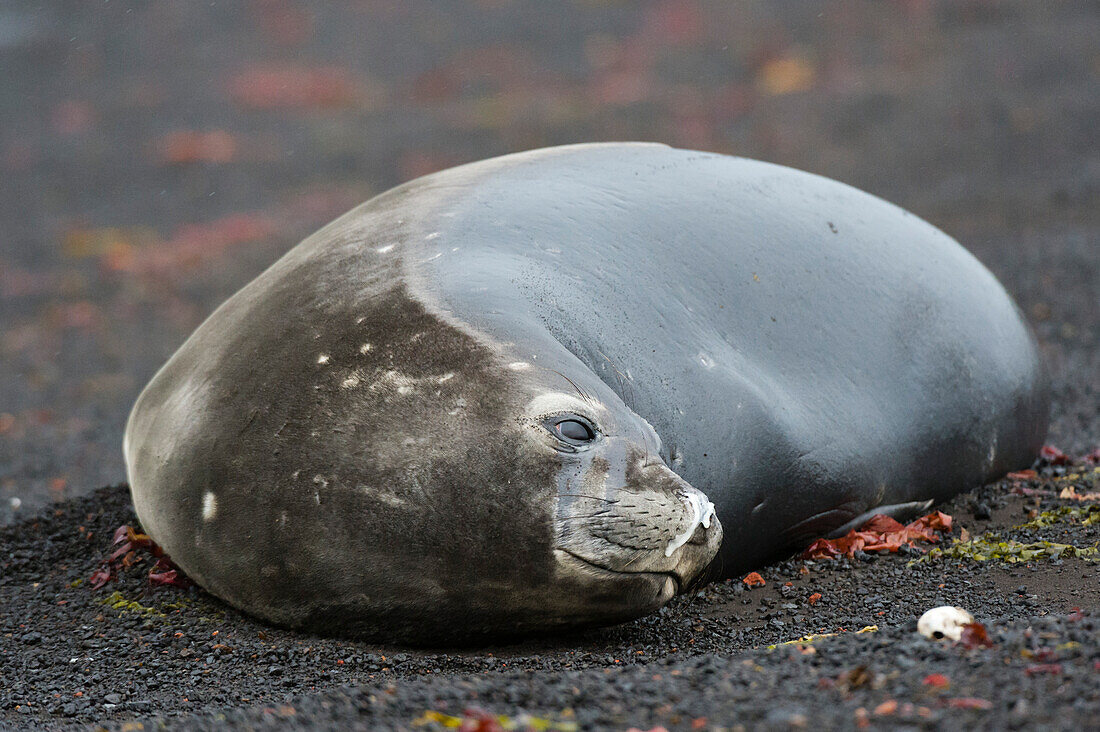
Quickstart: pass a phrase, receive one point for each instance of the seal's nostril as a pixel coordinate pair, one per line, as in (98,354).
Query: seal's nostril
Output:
(700,535)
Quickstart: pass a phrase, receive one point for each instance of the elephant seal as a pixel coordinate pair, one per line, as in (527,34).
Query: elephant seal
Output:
(503,397)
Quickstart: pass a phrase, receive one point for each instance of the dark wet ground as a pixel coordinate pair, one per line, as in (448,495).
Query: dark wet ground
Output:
(156,156)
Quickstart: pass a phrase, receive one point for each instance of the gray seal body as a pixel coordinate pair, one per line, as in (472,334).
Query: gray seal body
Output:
(510,396)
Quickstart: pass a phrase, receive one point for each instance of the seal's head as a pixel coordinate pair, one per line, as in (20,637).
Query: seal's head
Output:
(363,466)
(622,519)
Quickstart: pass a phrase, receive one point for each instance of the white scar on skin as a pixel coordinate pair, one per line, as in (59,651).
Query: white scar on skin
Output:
(401,383)
(365,348)
(209,506)
(433,235)
(519,365)
(353,380)
(383,494)
(391,380)
(323,358)
(702,511)
(385,249)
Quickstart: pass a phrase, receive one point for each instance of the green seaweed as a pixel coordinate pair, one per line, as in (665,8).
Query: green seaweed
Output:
(809,640)
(1085,515)
(179,604)
(501,721)
(991,546)
(117,601)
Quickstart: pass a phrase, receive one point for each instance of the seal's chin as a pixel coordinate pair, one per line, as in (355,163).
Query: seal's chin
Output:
(660,534)
(670,578)
(619,582)
(625,594)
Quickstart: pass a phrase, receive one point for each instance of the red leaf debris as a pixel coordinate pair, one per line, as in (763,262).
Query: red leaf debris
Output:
(100,577)
(1037,669)
(1071,493)
(937,681)
(1054,456)
(1023,490)
(887,708)
(974,635)
(191,246)
(881,533)
(479,720)
(1023,475)
(190,146)
(882,524)
(128,542)
(815,598)
(753,579)
(969,702)
(165,573)
(272,87)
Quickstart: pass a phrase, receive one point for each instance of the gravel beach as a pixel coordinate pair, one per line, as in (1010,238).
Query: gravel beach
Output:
(824,643)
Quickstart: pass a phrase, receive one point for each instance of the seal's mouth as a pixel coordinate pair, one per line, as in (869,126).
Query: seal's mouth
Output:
(678,582)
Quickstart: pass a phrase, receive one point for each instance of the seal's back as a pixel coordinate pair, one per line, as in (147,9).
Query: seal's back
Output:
(801,347)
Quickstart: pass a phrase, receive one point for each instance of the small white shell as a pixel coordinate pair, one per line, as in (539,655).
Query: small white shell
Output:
(944,622)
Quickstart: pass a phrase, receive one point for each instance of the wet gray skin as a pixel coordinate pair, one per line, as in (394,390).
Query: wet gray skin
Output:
(500,398)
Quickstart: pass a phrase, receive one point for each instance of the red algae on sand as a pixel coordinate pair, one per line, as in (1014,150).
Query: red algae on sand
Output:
(881,533)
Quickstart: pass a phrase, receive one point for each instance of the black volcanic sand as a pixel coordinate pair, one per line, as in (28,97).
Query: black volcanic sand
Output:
(133,653)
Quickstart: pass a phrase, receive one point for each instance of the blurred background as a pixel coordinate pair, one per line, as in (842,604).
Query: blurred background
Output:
(155,156)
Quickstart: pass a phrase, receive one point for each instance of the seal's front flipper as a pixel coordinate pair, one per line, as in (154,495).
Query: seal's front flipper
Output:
(899,511)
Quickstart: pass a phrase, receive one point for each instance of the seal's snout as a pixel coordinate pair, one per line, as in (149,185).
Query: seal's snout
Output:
(656,527)
(700,539)
(699,517)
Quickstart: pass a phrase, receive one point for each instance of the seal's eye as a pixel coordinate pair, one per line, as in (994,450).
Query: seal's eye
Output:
(572,430)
